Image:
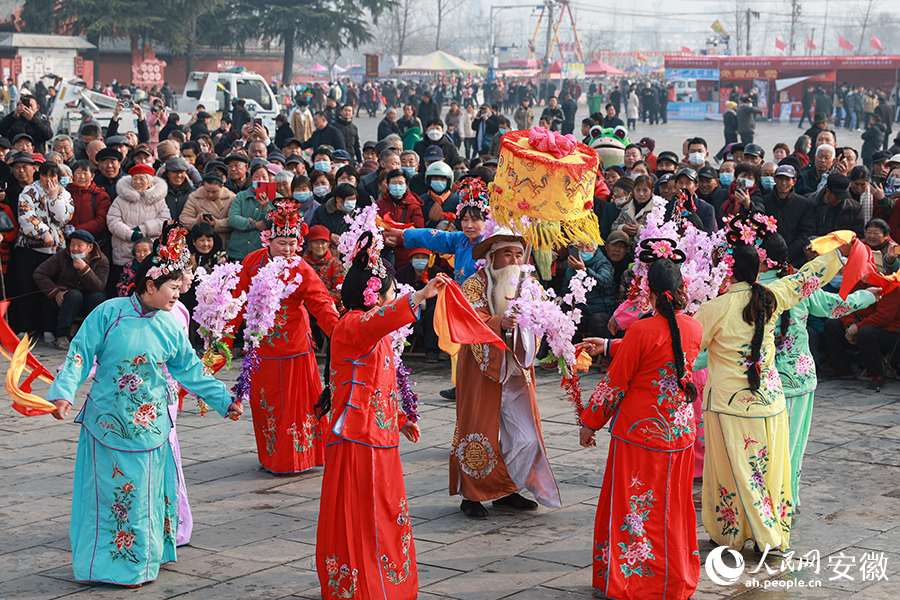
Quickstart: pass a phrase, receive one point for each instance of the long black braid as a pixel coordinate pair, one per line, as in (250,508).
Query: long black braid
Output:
(760,308)
(776,252)
(665,280)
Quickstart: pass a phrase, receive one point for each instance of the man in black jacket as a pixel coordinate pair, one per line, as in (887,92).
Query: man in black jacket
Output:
(554,114)
(820,123)
(709,188)
(811,174)
(325,134)
(807,106)
(796,215)
(388,125)
(25,119)
(887,118)
(428,108)
(349,131)
(836,210)
(569,108)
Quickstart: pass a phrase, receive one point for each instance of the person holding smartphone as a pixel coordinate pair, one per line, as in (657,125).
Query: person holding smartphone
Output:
(210,204)
(156,120)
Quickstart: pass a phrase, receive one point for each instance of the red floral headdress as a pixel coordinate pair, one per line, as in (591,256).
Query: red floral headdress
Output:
(170,251)
(473,191)
(285,220)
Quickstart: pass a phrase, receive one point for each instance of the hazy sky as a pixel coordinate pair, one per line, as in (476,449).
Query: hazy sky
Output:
(670,24)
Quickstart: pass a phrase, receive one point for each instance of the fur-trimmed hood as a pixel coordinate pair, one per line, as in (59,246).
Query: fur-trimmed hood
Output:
(156,192)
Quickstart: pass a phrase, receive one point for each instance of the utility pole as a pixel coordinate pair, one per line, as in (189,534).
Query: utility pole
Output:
(824,26)
(795,15)
(548,52)
(750,14)
(812,37)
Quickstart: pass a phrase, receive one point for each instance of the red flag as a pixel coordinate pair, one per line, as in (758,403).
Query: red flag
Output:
(457,323)
(861,267)
(811,43)
(780,45)
(640,57)
(686,50)
(876,43)
(845,44)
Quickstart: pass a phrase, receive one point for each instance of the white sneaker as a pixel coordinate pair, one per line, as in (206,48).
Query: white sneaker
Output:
(49,338)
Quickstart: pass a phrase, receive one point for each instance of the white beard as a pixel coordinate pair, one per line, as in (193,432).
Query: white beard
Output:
(504,283)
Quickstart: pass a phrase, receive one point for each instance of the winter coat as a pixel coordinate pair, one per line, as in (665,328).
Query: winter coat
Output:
(91,207)
(351,137)
(38,128)
(39,215)
(244,236)
(135,214)
(847,215)
(633,105)
(329,216)
(603,297)
(177,197)
(873,141)
(796,217)
(386,128)
(446,146)
(524,117)
(197,204)
(407,210)
(58,274)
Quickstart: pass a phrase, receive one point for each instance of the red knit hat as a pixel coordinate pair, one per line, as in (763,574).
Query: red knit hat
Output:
(143,169)
(318,232)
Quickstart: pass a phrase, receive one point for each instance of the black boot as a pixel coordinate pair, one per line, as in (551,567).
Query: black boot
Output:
(515,502)
(473,510)
(449,394)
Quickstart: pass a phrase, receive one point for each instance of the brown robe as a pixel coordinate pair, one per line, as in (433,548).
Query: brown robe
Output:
(477,468)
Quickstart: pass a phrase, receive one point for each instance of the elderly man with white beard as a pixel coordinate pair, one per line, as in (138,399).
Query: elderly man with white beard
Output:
(498,448)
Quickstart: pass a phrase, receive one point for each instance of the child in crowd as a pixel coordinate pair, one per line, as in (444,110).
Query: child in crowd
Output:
(140,251)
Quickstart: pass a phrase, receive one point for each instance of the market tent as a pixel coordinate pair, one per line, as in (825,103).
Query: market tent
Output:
(522,63)
(438,61)
(601,68)
(317,68)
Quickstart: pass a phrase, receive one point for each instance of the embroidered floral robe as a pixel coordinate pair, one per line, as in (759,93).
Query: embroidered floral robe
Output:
(364,545)
(746,472)
(287,384)
(124,503)
(645,540)
(797,368)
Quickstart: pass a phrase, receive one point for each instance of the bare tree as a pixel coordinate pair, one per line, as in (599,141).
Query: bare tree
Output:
(737,18)
(403,26)
(865,23)
(443,10)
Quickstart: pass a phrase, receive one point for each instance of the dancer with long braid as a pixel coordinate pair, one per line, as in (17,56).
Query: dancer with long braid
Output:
(793,360)
(747,474)
(645,540)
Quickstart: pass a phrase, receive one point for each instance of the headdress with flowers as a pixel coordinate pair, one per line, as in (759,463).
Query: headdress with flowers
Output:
(285,220)
(473,191)
(751,230)
(654,249)
(367,256)
(170,251)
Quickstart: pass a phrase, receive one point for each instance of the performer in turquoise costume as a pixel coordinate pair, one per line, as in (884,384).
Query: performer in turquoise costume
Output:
(125,497)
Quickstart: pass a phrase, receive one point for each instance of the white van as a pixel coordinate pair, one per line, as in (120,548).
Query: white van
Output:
(216,90)
(685,90)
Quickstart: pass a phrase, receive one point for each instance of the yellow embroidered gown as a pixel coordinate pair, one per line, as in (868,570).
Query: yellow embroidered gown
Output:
(747,472)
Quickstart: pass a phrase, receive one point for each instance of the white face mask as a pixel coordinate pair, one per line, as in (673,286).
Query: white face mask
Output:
(80,255)
(696,158)
(321,190)
(435,134)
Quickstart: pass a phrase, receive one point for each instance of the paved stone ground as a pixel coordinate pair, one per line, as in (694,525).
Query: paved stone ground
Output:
(254,533)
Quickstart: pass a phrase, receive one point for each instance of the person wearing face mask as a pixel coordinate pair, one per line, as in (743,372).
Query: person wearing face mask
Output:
(417,274)
(321,185)
(434,136)
(91,204)
(666,163)
(647,146)
(621,195)
(726,173)
(74,281)
(409,163)
(323,160)
(308,199)
(767,177)
(743,193)
(697,153)
(401,205)
(495,142)
(709,188)
(440,198)
(340,202)
(602,299)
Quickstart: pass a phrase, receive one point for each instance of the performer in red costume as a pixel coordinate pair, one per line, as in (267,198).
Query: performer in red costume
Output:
(286,386)
(364,545)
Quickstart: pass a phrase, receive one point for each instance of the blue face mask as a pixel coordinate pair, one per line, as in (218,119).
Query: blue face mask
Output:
(501,131)
(420,264)
(726,179)
(410,171)
(767,183)
(397,189)
(302,196)
(323,165)
(439,186)
(64,181)
(586,256)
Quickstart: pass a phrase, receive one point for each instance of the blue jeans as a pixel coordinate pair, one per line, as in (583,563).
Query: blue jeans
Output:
(853,120)
(75,305)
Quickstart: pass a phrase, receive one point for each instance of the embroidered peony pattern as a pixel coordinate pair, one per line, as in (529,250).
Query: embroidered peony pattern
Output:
(638,550)
(676,419)
(727,512)
(268,427)
(602,556)
(336,575)
(138,413)
(305,437)
(122,535)
(385,410)
(391,572)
